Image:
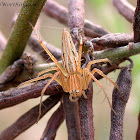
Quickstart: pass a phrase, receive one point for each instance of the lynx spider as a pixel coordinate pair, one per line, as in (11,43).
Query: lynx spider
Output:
(70,75)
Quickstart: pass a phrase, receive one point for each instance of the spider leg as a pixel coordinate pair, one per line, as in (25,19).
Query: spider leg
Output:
(44,89)
(47,70)
(80,54)
(84,94)
(100,85)
(81,84)
(97,61)
(102,74)
(35,79)
(49,53)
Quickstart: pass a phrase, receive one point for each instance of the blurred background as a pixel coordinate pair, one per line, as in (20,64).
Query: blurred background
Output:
(101,12)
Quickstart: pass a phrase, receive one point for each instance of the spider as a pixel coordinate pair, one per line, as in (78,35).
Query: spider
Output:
(70,75)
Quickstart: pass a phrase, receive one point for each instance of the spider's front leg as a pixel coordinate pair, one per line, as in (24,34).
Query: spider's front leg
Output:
(97,61)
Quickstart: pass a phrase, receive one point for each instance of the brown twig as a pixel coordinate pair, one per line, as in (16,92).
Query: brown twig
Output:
(17,95)
(76,18)
(71,110)
(34,44)
(57,11)
(124,82)
(12,71)
(29,118)
(114,40)
(3,41)
(27,61)
(138,130)
(86,115)
(136,25)
(19,71)
(60,13)
(76,14)
(53,124)
(125,9)
(92,30)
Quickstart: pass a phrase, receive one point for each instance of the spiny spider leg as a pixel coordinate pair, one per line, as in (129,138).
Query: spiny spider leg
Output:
(100,85)
(102,74)
(48,52)
(36,79)
(80,54)
(97,61)
(44,89)
(47,70)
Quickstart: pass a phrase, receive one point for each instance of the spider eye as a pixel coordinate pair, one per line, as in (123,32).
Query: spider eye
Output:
(77,91)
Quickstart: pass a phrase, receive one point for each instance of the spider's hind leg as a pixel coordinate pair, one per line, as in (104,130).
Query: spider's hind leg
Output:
(103,75)
(100,85)
(54,77)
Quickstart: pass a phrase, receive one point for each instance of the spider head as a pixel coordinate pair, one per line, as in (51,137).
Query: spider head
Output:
(74,95)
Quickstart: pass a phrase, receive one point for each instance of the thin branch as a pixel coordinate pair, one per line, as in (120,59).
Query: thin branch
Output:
(114,40)
(29,118)
(136,25)
(76,14)
(124,82)
(57,11)
(71,110)
(21,32)
(86,115)
(27,62)
(53,124)
(76,18)
(125,9)
(18,72)
(92,30)
(11,71)
(138,130)
(115,55)
(18,95)
(60,13)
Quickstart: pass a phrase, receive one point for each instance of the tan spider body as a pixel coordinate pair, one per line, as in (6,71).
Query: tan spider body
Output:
(70,75)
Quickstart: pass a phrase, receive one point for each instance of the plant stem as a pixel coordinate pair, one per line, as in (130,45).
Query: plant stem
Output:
(21,32)
(118,54)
